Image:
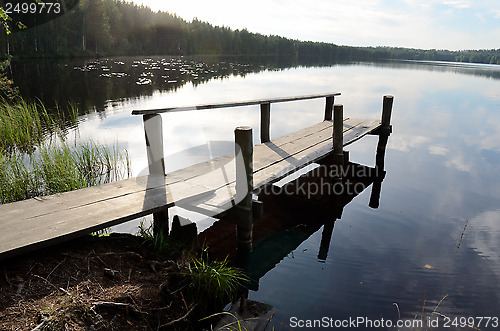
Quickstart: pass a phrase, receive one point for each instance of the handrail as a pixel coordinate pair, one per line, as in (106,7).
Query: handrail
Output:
(154,137)
(232,104)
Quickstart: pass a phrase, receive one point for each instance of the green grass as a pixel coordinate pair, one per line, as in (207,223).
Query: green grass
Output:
(206,282)
(211,280)
(35,160)
(159,244)
(26,125)
(59,168)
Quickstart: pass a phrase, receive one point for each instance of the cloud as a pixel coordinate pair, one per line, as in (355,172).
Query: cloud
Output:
(483,234)
(459,163)
(406,142)
(496,13)
(438,150)
(461,4)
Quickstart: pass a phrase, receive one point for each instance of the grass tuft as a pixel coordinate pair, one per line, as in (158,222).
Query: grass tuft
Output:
(207,280)
(158,243)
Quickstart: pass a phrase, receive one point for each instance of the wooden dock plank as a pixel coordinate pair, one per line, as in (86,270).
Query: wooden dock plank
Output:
(208,187)
(64,224)
(286,166)
(271,152)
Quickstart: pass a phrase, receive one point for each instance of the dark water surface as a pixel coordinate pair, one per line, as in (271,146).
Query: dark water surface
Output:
(442,163)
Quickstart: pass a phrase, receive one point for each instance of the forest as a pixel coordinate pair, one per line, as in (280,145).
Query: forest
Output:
(112,27)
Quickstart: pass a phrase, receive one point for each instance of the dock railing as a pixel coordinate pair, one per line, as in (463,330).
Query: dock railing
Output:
(265,109)
(154,133)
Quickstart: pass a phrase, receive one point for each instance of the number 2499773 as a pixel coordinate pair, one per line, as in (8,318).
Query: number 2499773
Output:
(32,8)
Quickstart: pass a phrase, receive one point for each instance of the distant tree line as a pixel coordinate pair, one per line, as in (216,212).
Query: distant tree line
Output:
(487,56)
(112,27)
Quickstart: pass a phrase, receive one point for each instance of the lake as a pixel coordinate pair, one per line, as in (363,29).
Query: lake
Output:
(432,246)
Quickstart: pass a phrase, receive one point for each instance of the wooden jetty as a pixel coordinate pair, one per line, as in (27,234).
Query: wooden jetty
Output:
(210,187)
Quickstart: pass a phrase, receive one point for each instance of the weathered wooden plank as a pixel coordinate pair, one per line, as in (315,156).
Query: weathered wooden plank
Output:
(43,205)
(286,166)
(201,169)
(362,129)
(67,200)
(233,104)
(270,153)
(61,225)
(146,201)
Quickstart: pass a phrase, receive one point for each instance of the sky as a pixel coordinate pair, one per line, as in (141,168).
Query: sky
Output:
(426,24)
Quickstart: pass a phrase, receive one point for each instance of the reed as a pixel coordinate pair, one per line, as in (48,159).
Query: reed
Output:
(16,181)
(36,161)
(25,125)
(59,168)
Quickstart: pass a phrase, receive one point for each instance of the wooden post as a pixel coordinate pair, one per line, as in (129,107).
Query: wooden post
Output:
(338,139)
(154,147)
(338,129)
(329,108)
(386,112)
(257,209)
(154,144)
(244,186)
(346,158)
(265,122)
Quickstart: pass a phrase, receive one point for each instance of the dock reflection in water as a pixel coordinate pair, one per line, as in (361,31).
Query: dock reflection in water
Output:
(293,211)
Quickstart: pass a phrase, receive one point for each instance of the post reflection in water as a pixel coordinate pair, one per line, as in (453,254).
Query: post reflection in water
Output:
(293,212)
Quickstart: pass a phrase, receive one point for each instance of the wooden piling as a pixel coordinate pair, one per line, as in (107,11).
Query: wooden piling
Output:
(338,138)
(329,108)
(386,111)
(154,144)
(338,135)
(153,132)
(265,122)
(244,186)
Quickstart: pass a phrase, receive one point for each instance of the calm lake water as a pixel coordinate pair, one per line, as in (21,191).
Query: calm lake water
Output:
(442,163)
